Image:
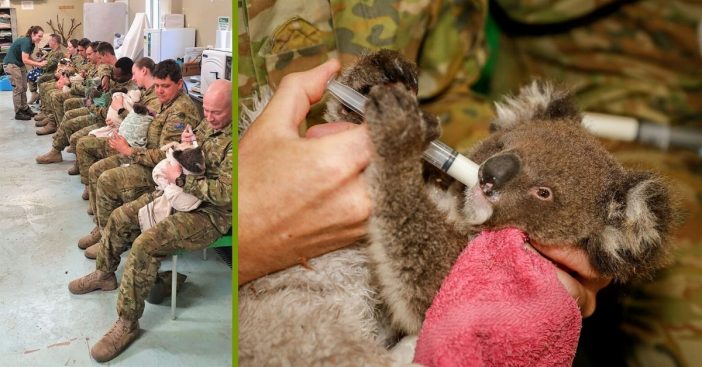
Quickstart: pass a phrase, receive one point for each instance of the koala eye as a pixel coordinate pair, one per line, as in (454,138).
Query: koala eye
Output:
(542,193)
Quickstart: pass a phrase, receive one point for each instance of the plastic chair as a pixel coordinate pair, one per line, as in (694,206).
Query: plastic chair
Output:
(224,241)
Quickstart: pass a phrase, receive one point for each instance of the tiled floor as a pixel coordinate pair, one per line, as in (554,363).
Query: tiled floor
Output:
(41,324)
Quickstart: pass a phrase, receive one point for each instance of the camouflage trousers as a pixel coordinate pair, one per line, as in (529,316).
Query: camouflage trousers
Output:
(46,91)
(73,121)
(18,78)
(57,103)
(73,140)
(180,231)
(89,150)
(111,185)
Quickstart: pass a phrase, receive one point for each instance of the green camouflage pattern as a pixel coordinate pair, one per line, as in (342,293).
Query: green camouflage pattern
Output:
(52,60)
(192,230)
(73,139)
(112,185)
(280,37)
(642,60)
(166,127)
(73,121)
(89,150)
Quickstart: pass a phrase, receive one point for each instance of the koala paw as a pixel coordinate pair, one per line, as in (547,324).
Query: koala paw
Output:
(380,67)
(398,128)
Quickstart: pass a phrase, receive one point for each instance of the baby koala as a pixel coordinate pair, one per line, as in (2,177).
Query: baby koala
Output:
(540,171)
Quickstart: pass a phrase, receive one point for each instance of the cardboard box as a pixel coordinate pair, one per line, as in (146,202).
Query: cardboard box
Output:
(191,68)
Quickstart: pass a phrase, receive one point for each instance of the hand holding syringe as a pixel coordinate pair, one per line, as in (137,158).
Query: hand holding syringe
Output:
(438,154)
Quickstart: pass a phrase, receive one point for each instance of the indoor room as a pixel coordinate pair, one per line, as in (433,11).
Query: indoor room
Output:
(117,215)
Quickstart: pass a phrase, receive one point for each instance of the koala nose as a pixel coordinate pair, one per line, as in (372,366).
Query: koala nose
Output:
(498,170)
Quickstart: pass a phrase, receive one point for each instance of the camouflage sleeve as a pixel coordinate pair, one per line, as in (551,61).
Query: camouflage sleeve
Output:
(550,11)
(52,63)
(216,188)
(178,117)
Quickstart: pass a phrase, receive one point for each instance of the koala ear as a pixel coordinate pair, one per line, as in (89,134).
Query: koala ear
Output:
(536,101)
(639,219)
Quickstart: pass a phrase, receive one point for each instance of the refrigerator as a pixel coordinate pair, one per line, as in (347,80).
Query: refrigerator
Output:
(167,43)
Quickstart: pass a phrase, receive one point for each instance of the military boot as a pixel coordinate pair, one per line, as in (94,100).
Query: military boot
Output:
(53,156)
(92,282)
(92,251)
(90,239)
(39,116)
(71,149)
(41,123)
(49,128)
(117,339)
(85,195)
(74,170)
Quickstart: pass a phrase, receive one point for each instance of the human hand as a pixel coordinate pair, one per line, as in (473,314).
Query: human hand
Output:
(187,136)
(105,83)
(111,123)
(172,171)
(120,144)
(576,274)
(299,197)
(42,63)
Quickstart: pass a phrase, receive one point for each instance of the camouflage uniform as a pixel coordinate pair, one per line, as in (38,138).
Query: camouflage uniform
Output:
(182,230)
(637,59)
(148,98)
(110,185)
(445,38)
(79,118)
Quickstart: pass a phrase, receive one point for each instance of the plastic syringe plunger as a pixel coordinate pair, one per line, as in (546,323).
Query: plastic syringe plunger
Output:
(438,154)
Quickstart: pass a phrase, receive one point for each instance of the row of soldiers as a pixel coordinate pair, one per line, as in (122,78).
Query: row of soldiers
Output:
(77,94)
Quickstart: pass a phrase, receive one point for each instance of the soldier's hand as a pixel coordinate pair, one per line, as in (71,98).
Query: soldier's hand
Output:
(324,203)
(576,274)
(120,144)
(187,136)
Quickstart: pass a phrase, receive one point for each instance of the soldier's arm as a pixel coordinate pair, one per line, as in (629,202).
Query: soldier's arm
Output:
(171,131)
(214,188)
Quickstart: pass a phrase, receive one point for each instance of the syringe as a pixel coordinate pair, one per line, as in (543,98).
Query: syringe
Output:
(438,154)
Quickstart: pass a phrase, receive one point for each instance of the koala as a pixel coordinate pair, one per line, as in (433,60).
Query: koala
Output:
(191,159)
(540,171)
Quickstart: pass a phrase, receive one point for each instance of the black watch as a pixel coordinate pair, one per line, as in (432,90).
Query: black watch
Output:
(180,181)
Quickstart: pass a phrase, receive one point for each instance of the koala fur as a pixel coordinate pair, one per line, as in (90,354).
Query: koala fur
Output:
(540,171)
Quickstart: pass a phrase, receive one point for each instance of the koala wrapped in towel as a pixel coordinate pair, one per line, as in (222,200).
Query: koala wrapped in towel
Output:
(169,196)
(540,172)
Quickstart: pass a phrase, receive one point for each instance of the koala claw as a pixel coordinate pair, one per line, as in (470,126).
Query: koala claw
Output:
(395,122)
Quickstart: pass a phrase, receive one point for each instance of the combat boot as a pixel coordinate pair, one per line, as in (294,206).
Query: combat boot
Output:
(49,128)
(53,156)
(39,116)
(116,340)
(90,239)
(41,123)
(71,149)
(92,251)
(89,210)
(85,195)
(92,282)
(74,170)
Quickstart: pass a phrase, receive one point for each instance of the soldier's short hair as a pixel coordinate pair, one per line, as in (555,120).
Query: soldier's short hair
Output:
(105,48)
(94,45)
(57,38)
(73,42)
(84,42)
(168,68)
(124,64)
(145,62)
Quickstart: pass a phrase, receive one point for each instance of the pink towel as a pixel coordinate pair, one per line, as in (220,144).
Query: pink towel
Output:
(501,305)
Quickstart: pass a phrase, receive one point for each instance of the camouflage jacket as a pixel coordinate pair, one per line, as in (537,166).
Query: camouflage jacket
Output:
(166,127)
(53,58)
(443,37)
(214,188)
